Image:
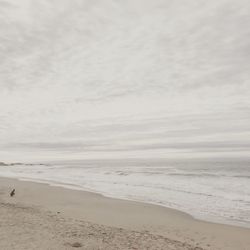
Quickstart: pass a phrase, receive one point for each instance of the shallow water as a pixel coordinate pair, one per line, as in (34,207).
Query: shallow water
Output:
(213,190)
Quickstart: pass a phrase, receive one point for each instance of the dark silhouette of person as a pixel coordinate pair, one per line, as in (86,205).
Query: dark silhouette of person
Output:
(12,193)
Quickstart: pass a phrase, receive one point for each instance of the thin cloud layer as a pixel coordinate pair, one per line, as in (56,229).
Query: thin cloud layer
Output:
(124,76)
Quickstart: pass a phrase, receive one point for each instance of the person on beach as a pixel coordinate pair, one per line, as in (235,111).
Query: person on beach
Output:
(12,193)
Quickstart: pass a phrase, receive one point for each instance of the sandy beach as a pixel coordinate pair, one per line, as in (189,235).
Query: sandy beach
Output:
(124,125)
(43,217)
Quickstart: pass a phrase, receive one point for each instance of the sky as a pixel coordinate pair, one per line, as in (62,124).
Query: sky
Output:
(124,79)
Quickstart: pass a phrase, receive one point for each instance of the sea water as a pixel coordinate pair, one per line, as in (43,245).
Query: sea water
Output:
(212,190)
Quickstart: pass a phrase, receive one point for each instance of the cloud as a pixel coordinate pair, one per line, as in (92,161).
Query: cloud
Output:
(69,68)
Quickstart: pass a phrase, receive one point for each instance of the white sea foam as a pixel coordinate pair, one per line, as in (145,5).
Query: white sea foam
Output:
(130,79)
(208,190)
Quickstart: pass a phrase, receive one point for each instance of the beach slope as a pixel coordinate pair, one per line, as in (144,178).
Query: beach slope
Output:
(43,217)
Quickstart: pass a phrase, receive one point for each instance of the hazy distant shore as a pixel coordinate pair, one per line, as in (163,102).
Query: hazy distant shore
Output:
(44,217)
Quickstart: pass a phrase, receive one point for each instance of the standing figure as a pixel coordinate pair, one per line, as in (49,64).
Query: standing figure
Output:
(12,193)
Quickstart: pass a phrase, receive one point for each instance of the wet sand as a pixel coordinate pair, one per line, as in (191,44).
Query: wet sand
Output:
(43,217)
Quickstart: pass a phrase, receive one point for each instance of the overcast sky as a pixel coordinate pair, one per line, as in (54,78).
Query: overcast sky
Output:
(124,78)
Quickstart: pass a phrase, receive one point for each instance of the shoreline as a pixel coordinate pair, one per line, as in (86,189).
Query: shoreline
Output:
(208,219)
(128,215)
(205,199)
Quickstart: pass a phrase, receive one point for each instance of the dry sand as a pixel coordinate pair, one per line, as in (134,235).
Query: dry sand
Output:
(44,217)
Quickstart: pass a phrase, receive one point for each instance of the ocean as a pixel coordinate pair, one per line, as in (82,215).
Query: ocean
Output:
(216,190)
